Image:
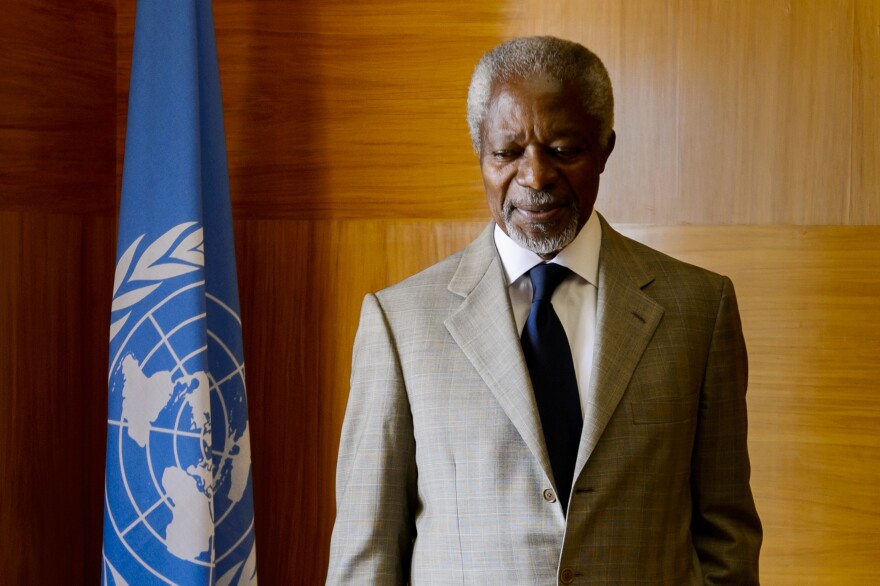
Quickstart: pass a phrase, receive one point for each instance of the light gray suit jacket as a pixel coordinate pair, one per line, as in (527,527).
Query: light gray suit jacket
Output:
(443,473)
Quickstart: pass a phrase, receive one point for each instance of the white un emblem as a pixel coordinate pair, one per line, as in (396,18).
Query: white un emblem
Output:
(178,452)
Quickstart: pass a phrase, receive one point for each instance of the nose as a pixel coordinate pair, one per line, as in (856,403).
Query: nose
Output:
(535,170)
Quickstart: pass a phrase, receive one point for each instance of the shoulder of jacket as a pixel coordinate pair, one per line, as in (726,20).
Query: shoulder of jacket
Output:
(668,268)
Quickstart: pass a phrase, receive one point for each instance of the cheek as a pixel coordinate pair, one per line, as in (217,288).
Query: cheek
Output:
(495,201)
(495,184)
(586,184)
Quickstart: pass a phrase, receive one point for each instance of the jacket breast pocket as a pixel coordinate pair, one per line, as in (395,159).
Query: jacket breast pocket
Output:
(664,410)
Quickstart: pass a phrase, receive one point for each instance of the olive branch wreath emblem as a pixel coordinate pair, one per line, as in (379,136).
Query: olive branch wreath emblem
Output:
(166,257)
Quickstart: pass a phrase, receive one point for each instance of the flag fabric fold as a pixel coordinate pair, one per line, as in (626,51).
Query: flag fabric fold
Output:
(178,505)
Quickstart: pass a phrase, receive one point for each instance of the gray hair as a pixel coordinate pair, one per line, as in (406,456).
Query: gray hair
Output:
(565,61)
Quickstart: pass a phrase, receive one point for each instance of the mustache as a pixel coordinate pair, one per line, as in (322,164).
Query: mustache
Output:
(532,197)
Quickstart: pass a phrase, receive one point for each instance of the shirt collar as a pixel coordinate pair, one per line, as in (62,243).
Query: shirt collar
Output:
(581,256)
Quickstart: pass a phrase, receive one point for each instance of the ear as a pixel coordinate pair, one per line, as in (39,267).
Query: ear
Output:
(606,152)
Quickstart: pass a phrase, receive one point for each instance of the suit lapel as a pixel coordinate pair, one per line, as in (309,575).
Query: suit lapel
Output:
(626,318)
(484,328)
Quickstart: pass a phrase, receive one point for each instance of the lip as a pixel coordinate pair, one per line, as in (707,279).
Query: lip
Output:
(540,213)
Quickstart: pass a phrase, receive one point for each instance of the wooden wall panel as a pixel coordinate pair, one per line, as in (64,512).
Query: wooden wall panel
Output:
(352,110)
(733,112)
(765,111)
(56,102)
(865,206)
(396,107)
(57,136)
(54,275)
(809,303)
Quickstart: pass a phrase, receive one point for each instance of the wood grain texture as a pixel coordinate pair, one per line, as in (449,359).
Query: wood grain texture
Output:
(733,112)
(55,276)
(765,112)
(57,134)
(57,95)
(865,203)
(352,110)
(808,298)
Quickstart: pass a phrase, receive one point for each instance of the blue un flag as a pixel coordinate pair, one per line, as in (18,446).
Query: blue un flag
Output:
(178,505)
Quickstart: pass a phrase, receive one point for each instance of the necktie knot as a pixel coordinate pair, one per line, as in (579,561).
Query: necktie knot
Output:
(545,278)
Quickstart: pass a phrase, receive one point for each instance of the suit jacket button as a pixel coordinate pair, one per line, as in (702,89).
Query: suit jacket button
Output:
(549,495)
(566,576)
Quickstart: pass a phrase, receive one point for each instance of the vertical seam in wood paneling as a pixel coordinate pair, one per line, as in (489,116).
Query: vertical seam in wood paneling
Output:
(679,190)
(853,99)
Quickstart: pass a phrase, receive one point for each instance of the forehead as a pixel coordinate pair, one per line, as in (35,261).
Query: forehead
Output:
(536,105)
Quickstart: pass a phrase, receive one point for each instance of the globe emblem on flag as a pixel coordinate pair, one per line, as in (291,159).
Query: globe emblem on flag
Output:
(178,456)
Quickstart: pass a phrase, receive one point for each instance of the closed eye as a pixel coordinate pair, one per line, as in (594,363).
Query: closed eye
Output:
(566,152)
(505,154)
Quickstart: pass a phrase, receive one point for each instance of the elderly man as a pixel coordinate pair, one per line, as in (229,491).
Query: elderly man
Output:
(555,403)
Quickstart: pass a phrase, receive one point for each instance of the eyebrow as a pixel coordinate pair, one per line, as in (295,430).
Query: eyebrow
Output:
(564,134)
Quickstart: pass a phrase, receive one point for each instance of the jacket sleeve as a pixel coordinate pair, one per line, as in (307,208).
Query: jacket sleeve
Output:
(376,472)
(725,527)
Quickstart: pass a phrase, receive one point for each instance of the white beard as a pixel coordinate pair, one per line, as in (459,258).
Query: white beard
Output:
(541,244)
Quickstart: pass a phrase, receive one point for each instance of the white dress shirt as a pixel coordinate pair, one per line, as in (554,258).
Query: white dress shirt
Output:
(574,299)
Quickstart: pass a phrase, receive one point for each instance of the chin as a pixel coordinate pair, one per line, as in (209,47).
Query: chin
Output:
(543,240)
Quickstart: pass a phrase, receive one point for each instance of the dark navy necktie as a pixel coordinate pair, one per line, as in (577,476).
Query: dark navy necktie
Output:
(551,369)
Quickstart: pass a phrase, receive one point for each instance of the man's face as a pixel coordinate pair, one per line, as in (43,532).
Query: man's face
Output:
(541,160)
